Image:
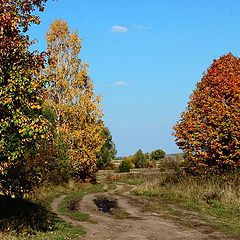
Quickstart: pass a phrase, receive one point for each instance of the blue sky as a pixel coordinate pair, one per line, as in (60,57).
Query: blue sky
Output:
(145,58)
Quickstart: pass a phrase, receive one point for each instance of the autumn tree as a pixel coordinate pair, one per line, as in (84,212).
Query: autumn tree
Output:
(71,97)
(22,126)
(208,131)
(108,150)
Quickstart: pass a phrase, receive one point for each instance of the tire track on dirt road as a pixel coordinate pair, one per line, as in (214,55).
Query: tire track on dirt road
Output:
(134,223)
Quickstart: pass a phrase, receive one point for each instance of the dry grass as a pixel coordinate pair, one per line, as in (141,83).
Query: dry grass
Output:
(223,189)
(7,236)
(46,194)
(216,196)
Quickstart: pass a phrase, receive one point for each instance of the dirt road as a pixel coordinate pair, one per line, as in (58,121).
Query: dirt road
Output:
(129,221)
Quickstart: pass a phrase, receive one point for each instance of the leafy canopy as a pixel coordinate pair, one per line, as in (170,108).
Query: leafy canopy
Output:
(208,131)
(78,113)
(22,126)
(108,150)
(157,155)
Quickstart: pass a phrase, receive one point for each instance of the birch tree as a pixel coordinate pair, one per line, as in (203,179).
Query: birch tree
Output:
(71,95)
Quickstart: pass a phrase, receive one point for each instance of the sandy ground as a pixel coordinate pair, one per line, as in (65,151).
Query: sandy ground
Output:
(134,223)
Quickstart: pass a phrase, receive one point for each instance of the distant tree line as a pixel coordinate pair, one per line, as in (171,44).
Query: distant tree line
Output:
(141,160)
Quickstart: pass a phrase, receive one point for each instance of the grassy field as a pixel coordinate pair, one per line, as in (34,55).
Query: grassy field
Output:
(215,198)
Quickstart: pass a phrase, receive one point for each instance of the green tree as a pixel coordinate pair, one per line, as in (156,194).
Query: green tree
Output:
(208,131)
(140,160)
(22,127)
(157,155)
(108,150)
(54,154)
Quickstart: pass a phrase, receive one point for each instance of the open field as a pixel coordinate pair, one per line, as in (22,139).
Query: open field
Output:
(215,199)
(145,204)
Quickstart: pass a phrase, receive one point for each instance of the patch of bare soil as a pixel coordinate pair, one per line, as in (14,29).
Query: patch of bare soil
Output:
(116,215)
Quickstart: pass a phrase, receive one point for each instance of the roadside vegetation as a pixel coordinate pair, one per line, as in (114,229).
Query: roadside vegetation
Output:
(61,230)
(33,218)
(215,198)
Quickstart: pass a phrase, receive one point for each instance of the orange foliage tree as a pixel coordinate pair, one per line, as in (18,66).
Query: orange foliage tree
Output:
(208,131)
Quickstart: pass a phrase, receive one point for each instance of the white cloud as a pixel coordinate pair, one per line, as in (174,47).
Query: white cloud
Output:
(119,29)
(119,84)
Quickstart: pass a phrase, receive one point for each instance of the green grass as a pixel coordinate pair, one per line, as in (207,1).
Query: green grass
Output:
(60,231)
(76,196)
(132,180)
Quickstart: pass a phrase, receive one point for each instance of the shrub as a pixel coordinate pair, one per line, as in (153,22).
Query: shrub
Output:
(151,164)
(171,163)
(125,165)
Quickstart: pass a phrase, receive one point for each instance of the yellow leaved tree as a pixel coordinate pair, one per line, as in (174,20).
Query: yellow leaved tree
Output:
(77,111)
